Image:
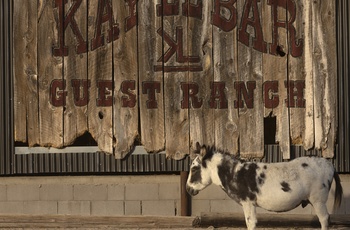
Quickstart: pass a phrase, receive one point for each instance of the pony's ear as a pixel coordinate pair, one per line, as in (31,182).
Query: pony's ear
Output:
(203,150)
(200,150)
(198,147)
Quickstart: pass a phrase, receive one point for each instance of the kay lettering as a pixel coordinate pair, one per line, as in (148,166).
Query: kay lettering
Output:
(250,16)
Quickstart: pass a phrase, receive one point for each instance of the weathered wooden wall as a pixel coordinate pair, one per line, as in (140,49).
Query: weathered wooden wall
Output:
(172,73)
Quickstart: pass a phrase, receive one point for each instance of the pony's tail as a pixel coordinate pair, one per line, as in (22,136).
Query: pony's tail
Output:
(338,191)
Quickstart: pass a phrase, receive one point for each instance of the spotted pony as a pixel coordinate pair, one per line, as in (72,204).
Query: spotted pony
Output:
(277,187)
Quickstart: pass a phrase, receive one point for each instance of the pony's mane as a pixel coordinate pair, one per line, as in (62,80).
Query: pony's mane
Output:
(210,151)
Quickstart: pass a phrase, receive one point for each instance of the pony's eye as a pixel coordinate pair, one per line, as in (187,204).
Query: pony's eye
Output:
(195,169)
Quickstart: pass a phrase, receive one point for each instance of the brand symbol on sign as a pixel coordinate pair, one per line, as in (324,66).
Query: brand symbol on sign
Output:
(176,47)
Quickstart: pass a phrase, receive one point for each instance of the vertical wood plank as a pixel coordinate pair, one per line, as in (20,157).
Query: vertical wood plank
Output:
(49,70)
(175,73)
(200,44)
(150,49)
(280,14)
(225,71)
(75,74)
(300,70)
(250,75)
(324,70)
(309,139)
(271,66)
(125,109)
(275,90)
(101,33)
(26,123)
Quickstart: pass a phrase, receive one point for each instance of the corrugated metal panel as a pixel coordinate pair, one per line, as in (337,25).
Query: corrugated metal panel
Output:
(343,51)
(69,163)
(6,108)
(2,124)
(272,153)
(96,163)
(340,161)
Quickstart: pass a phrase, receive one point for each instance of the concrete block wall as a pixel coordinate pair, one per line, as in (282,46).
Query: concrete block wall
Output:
(91,195)
(121,195)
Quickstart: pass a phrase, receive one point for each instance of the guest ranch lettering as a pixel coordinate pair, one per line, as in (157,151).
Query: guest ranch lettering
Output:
(190,97)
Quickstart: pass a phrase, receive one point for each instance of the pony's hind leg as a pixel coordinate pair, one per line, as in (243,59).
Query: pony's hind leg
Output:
(322,214)
(250,214)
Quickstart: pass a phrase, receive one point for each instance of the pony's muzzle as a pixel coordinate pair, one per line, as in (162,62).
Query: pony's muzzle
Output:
(191,191)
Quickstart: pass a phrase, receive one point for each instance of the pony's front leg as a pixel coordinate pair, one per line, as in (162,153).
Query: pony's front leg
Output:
(249,214)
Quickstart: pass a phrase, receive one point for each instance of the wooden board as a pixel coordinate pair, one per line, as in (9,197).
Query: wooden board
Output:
(172,73)
(225,72)
(250,76)
(280,14)
(94,222)
(325,77)
(200,44)
(230,220)
(150,48)
(50,73)
(26,123)
(300,70)
(125,109)
(100,65)
(270,221)
(307,58)
(275,74)
(174,34)
(75,71)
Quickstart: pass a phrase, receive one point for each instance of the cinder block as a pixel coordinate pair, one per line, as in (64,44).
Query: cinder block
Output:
(344,207)
(158,208)
(12,207)
(212,192)
(3,195)
(199,206)
(132,207)
(116,192)
(344,178)
(90,192)
(40,207)
(74,208)
(22,192)
(225,206)
(107,208)
(178,207)
(56,192)
(169,191)
(346,196)
(141,191)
